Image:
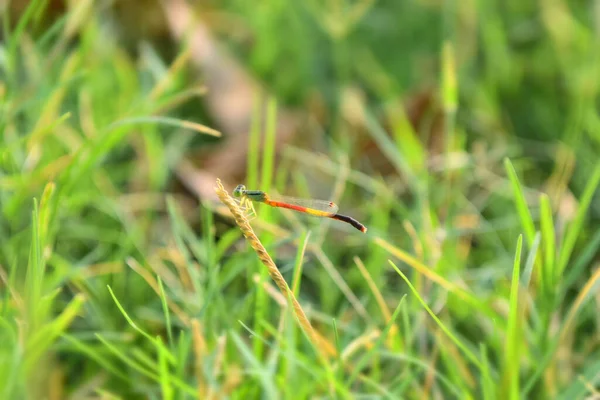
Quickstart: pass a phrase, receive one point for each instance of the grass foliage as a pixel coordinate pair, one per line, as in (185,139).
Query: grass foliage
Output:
(477,278)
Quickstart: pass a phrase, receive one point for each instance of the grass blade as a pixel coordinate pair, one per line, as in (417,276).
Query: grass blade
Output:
(135,326)
(487,384)
(380,340)
(530,262)
(442,326)
(163,370)
(549,244)
(522,208)
(513,332)
(576,226)
(270,392)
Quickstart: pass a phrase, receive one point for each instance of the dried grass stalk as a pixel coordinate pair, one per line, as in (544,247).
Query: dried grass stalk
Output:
(320,343)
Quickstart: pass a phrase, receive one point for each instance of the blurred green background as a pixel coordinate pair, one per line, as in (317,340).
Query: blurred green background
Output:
(463,134)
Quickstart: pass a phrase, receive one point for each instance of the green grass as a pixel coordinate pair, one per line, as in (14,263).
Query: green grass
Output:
(478,276)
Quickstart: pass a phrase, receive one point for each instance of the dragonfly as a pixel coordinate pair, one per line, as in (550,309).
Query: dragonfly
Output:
(316,208)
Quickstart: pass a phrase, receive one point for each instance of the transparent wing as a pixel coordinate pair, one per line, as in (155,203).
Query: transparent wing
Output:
(319,205)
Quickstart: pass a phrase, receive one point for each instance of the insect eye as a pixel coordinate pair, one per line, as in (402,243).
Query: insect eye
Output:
(237,192)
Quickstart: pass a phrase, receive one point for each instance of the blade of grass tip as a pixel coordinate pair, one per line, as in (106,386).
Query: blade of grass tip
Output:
(174,101)
(522,208)
(530,262)
(169,121)
(134,325)
(165,306)
(449,81)
(163,370)
(407,328)
(165,81)
(443,327)
(45,210)
(450,103)
(409,143)
(380,340)
(549,244)
(364,341)
(513,334)
(487,384)
(575,227)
